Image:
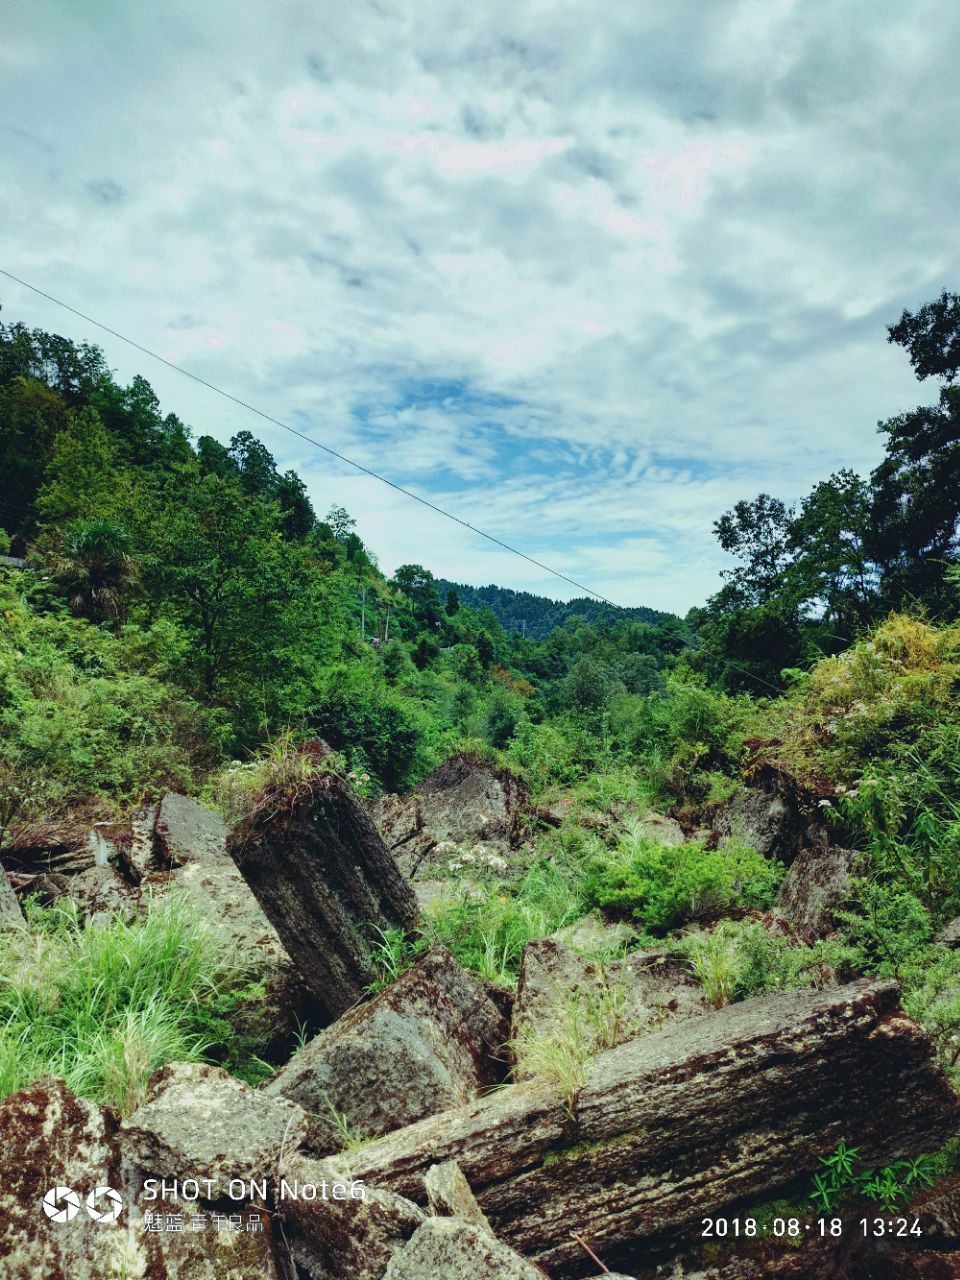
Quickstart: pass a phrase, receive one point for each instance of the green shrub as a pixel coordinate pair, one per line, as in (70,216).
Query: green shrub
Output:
(88,714)
(551,752)
(356,710)
(891,1186)
(888,927)
(873,701)
(665,886)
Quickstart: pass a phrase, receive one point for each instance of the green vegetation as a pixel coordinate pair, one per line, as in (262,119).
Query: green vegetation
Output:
(186,620)
(104,1005)
(890,1186)
(664,886)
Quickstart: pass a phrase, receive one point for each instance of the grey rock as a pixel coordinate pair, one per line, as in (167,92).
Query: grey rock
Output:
(659,827)
(199,1119)
(327,883)
(817,882)
(464,801)
(49,1138)
(949,935)
(449,1194)
(685,1122)
(217,892)
(594,937)
(455,1249)
(766,819)
(101,894)
(186,831)
(631,996)
(430,1041)
(343,1238)
(11,917)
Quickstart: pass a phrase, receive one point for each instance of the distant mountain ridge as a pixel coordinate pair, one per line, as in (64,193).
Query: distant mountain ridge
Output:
(536,616)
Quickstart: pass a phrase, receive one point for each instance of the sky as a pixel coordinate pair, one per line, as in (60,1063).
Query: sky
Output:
(583,275)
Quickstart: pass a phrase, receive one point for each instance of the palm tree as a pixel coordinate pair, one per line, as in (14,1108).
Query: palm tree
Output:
(95,568)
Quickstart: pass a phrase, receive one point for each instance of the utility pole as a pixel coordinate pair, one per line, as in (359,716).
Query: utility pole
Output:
(386,629)
(363,613)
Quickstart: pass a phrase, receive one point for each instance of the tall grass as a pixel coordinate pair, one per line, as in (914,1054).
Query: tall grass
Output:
(488,936)
(104,1005)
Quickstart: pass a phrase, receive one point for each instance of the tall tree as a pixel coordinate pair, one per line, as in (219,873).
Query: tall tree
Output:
(81,476)
(254,464)
(932,337)
(757,533)
(916,503)
(831,570)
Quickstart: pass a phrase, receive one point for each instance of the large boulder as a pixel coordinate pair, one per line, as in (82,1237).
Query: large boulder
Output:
(101,894)
(328,884)
(216,891)
(816,884)
(621,1000)
(56,1150)
(340,1234)
(684,1123)
(197,1118)
(456,1249)
(766,817)
(464,801)
(186,831)
(430,1041)
(595,937)
(660,827)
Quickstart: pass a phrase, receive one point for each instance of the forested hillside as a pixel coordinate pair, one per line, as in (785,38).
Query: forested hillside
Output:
(656,818)
(536,616)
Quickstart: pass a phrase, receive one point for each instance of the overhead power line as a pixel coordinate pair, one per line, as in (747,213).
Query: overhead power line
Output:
(367,471)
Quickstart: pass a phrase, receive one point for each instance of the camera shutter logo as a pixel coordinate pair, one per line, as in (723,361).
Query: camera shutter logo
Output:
(112,1204)
(61,1204)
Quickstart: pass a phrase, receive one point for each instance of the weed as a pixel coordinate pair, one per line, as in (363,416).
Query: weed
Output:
(891,1186)
(396,952)
(713,958)
(272,783)
(587,1023)
(488,935)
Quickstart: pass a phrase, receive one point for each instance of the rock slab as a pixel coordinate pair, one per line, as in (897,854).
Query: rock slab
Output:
(684,1123)
(430,1041)
(199,1118)
(817,883)
(630,997)
(50,1140)
(327,883)
(337,1237)
(463,801)
(455,1249)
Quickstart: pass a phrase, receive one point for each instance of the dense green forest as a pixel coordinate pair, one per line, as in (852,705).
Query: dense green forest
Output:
(183,607)
(185,603)
(536,616)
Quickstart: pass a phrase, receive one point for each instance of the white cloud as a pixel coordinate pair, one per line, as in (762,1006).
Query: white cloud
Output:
(584,282)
